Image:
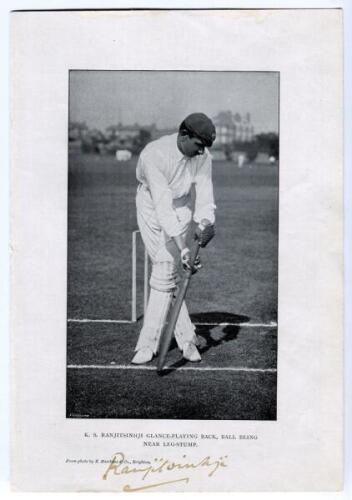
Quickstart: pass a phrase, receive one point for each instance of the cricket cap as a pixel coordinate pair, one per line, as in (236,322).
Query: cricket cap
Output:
(199,125)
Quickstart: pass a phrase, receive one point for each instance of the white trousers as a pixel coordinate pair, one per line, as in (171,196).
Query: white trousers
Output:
(165,258)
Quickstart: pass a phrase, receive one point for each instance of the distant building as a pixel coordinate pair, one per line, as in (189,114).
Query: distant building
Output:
(232,127)
(127,137)
(125,134)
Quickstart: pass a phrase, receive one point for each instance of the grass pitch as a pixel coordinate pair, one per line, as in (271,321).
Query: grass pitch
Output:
(237,285)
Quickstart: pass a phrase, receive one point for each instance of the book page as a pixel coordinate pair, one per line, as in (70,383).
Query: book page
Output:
(262,408)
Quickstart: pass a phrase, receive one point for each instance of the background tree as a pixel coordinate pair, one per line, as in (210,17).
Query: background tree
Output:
(140,141)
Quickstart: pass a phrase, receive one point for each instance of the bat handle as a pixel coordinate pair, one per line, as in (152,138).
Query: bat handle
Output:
(194,255)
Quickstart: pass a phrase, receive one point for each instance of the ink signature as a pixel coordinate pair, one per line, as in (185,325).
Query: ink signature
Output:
(117,467)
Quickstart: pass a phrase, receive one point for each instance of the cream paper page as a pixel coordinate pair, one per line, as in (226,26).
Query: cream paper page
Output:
(302,448)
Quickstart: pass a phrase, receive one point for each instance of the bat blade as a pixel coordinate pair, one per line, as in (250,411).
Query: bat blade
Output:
(169,329)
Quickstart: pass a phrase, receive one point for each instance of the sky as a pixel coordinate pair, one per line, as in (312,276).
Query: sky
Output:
(103,98)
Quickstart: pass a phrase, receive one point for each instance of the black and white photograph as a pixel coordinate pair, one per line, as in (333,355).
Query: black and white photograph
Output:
(172,263)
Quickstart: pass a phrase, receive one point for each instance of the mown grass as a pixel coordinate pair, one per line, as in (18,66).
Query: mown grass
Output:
(240,264)
(237,283)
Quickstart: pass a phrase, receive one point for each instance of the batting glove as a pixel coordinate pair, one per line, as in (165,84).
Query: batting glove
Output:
(205,232)
(186,259)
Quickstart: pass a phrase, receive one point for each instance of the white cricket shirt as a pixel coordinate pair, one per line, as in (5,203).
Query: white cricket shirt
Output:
(169,175)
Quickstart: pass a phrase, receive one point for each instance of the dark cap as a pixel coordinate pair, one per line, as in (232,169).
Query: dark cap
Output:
(199,125)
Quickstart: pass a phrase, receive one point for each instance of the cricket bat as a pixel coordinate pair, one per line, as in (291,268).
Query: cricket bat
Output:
(169,329)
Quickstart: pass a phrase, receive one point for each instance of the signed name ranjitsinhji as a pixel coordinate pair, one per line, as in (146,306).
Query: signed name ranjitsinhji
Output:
(117,467)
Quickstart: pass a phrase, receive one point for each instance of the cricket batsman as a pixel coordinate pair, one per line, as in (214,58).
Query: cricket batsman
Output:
(166,170)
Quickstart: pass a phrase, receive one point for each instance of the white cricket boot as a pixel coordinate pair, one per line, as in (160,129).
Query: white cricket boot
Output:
(142,356)
(190,352)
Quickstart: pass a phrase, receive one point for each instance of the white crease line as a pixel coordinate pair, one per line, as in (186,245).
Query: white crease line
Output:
(272,324)
(87,320)
(182,368)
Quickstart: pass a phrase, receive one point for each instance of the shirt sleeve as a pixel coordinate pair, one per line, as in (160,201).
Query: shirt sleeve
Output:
(161,196)
(204,204)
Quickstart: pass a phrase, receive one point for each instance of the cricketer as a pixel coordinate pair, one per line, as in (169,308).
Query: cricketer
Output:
(166,170)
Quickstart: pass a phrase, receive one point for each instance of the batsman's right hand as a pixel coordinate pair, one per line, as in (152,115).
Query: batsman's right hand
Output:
(186,261)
